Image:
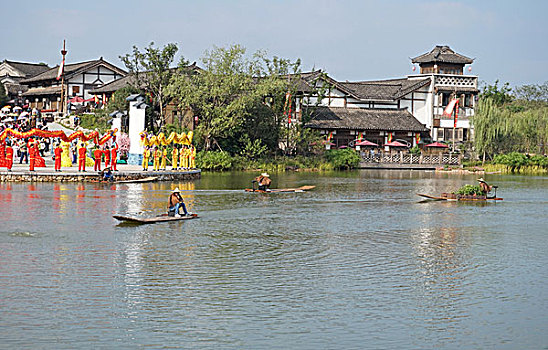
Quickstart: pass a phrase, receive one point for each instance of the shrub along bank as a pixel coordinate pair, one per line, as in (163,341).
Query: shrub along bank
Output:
(333,159)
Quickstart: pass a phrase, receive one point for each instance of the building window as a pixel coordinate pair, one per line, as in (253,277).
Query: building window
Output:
(75,90)
(445,99)
(467,100)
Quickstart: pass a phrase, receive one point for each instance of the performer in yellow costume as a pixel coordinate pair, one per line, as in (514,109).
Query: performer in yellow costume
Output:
(146,156)
(174,157)
(192,162)
(157,156)
(66,161)
(164,158)
(184,158)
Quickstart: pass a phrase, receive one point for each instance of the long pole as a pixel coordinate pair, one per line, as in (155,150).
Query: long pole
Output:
(63,94)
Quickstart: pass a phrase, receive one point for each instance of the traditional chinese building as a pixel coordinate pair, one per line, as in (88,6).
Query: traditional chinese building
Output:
(45,91)
(11,74)
(409,109)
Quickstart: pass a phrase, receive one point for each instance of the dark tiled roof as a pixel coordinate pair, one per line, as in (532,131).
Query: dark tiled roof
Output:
(72,69)
(391,89)
(13,89)
(129,80)
(29,69)
(442,54)
(385,119)
(458,89)
(50,90)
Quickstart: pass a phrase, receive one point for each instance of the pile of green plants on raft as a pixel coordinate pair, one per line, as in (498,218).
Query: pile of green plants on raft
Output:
(469,190)
(330,160)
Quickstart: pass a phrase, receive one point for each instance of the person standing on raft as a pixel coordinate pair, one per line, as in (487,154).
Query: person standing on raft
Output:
(263,181)
(175,202)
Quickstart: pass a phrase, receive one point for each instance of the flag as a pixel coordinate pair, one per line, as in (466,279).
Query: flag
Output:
(417,137)
(390,136)
(456,115)
(449,109)
(360,136)
(61,69)
(330,136)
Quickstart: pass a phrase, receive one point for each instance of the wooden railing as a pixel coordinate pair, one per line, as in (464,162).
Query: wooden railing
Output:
(406,158)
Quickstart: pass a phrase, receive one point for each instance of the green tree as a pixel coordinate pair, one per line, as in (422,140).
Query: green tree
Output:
(499,95)
(152,72)
(221,95)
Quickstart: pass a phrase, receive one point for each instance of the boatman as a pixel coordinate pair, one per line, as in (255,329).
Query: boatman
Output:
(175,202)
(484,186)
(174,157)
(263,181)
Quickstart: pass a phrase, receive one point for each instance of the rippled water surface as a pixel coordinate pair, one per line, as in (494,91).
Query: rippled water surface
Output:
(358,262)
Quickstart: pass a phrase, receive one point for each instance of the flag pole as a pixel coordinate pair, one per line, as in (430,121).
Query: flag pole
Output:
(63,94)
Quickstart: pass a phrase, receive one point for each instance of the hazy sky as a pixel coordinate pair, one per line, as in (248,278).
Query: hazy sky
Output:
(351,40)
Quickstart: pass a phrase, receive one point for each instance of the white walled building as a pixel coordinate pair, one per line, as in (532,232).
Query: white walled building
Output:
(424,96)
(79,79)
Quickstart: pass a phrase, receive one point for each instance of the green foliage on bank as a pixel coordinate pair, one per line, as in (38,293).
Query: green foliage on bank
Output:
(99,121)
(334,159)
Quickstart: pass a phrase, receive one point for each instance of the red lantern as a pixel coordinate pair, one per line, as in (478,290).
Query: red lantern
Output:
(414,68)
(469,68)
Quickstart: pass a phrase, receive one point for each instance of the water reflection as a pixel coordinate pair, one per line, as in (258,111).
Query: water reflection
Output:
(356,256)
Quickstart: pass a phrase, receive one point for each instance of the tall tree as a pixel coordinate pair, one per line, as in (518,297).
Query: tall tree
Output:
(152,72)
(219,96)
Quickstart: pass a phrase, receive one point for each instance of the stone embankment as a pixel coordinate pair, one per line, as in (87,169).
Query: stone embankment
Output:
(51,176)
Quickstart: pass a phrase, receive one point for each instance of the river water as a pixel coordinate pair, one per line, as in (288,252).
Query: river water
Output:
(357,263)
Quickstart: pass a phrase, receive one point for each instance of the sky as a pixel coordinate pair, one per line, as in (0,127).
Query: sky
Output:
(350,39)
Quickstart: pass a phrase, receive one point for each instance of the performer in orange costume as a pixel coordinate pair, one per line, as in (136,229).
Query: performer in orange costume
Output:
(114,154)
(97,153)
(32,153)
(82,158)
(107,156)
(57,152)
(9,156)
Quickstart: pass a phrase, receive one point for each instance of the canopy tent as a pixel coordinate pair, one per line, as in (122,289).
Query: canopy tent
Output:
(395,144)
(343,147)
(437,144)
(6,108)
(17,108)
(366,143)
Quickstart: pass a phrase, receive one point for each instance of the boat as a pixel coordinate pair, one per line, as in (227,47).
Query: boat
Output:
(459,197)
(280,190)
(153,220)
(145,179)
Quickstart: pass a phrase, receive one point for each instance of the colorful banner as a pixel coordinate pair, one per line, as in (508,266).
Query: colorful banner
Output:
(390,137)
(449,109)
(417,137)
(330,136)
(94,135)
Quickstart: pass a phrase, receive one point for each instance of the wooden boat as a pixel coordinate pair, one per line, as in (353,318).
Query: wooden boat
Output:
(459,197)
(153,220)
(146,179)
(280,190)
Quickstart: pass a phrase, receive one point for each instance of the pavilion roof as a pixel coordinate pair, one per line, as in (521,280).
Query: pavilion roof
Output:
(442,54)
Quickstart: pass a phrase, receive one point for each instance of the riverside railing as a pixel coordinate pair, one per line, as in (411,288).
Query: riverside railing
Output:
(403,158)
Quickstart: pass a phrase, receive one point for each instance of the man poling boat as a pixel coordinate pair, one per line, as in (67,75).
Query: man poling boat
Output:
(263,181)
(468,193)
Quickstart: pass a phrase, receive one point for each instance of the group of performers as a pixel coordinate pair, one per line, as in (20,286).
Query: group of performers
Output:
(34,158)
(182,157)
